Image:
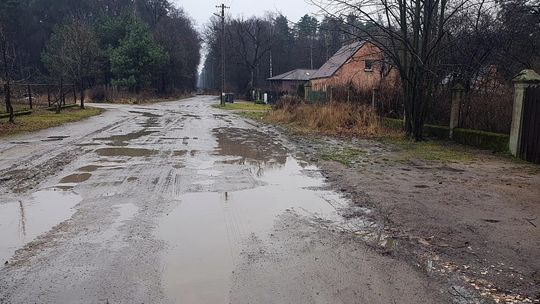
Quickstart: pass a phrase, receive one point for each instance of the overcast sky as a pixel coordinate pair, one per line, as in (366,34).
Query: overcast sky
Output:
(202,10)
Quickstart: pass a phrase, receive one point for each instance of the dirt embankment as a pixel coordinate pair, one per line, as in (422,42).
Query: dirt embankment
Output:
(464,216)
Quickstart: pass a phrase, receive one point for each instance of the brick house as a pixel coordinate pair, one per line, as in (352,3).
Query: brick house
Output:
(359,65)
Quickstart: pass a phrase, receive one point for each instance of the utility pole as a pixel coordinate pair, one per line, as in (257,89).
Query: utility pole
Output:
(222,16)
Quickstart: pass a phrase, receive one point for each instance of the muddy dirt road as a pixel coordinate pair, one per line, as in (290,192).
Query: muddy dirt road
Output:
(182,203)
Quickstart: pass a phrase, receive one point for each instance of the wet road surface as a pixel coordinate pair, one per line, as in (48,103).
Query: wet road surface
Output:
(178,203)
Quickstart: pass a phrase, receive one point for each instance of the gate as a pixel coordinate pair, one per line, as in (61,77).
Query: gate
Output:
(530,134)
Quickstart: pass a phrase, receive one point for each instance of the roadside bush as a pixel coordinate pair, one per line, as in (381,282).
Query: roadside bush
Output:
(97,94)
(288,102)
(336,118)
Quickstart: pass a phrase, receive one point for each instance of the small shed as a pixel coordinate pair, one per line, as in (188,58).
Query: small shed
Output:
(290,82)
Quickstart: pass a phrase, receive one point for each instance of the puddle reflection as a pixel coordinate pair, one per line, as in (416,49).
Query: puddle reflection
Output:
(251,148)
(205,232)
(23,221)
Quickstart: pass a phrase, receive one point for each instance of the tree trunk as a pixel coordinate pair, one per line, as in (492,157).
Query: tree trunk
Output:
(30,96)
(252,75)
(82,94)
(49,96)
(61,97)
(9,107)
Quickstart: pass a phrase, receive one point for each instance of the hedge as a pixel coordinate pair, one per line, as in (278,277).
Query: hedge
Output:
(481,139)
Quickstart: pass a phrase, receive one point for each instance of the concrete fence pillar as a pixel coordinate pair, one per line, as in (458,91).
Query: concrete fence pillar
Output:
(457,97)
(522,81)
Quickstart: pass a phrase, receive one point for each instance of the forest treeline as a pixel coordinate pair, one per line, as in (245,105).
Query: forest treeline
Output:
(505,34)
(431,44)
(260,47)
(137,45)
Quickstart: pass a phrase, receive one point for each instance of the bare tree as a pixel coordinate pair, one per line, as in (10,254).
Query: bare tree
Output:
(7,58)
(72,53)
(252,40)
(413,35)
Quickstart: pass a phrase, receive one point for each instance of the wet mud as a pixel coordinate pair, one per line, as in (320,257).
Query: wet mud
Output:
(131,152)
(89,168)
(123,140)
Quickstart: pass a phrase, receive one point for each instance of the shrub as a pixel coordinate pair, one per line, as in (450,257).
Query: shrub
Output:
(481,139)
(329,118)
(289,102)
(98,94)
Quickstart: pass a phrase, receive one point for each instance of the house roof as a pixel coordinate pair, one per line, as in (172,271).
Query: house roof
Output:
(338,60)
(295,75)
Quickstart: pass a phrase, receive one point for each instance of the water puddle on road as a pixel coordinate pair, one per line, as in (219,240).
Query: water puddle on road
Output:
(129,152)
(206,231)
(75,178)
(22,221)
(123,139)
(249,146)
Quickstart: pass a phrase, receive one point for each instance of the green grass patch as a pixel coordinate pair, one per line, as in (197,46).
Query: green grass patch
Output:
(43,119)
(243,106)
(430,150)
(346,156)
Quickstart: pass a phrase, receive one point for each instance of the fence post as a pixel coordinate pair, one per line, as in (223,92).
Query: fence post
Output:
(457,96)
(74,95)
(49,96)
(521,81)
(29,96)
(6,91)
(374,92)
(62,95)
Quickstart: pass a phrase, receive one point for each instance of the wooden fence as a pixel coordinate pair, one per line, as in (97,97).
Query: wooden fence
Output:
(530,137)
(28,96)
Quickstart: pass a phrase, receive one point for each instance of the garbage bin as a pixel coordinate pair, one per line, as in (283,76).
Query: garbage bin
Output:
(229,97)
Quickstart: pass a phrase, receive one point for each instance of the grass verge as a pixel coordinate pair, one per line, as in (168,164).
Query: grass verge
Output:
(344,155)
(248,110)
(243,106)
(43,119)
(433,150)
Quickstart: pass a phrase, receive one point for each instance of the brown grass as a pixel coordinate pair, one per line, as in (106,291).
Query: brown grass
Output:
(334,118)
(43,119)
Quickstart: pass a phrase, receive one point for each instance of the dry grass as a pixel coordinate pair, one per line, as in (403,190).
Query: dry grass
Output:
(42,119)
(330,119)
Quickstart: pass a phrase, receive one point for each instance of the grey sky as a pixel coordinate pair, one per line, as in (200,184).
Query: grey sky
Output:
(202,10)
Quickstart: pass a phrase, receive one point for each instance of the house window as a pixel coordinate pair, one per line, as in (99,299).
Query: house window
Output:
(368,65)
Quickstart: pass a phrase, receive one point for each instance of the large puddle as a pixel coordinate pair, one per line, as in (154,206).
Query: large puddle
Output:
(22,221)
(206,231)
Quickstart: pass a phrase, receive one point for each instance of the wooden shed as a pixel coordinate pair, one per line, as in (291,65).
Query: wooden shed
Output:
(291,81)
